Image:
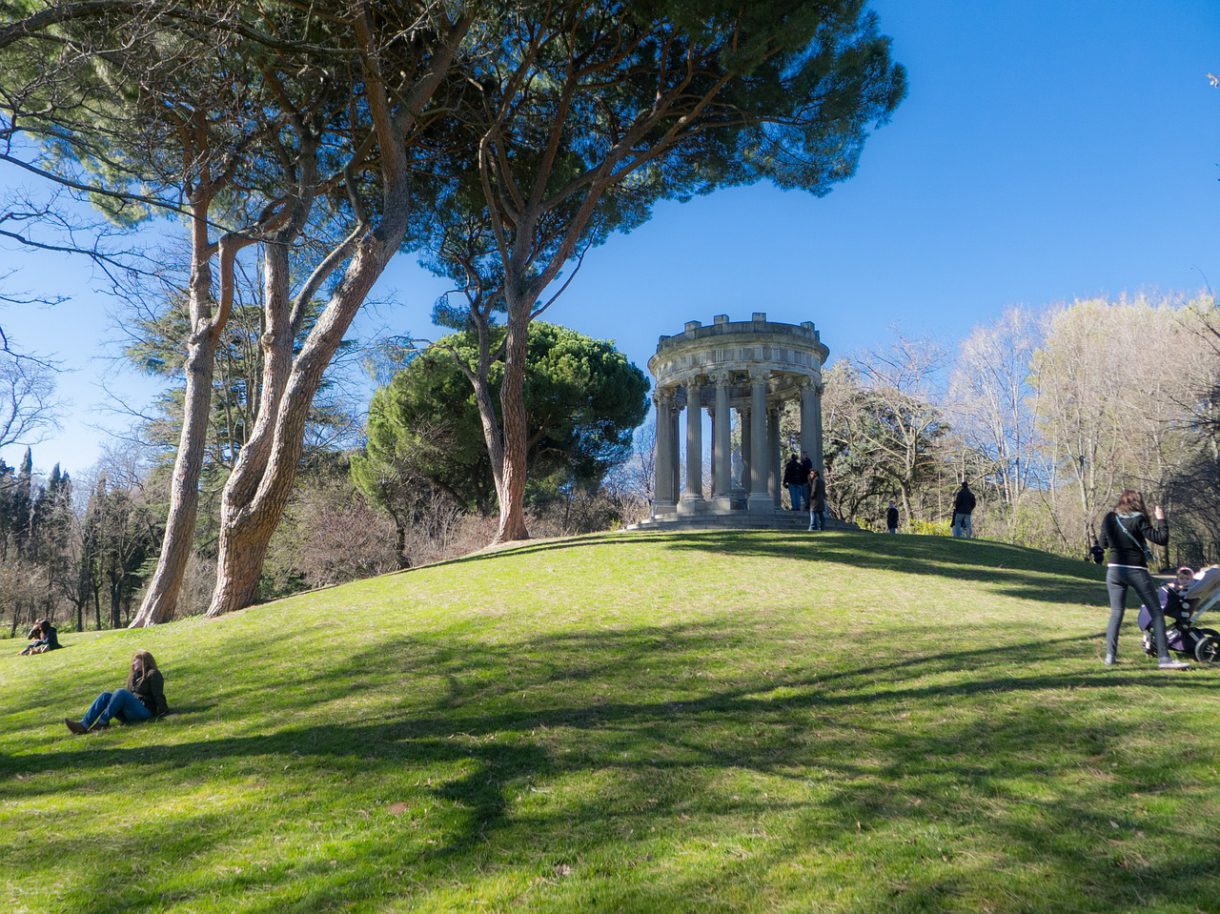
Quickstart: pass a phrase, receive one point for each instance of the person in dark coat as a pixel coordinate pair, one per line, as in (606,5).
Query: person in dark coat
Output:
(963,507)
(891,519)
(143,699)
(1125,533)
(817,501)
(44,637)
(807,466)
(794,481)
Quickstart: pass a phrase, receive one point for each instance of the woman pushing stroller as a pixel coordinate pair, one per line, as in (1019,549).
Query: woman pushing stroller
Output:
(1125,534)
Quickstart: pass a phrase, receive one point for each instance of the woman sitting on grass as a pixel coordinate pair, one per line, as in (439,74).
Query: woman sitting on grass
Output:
(144,698)
(43,637)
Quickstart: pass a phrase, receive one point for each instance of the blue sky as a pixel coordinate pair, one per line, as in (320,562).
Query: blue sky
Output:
(1046,151)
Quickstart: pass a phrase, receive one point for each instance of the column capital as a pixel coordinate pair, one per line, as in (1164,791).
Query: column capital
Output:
(721,378)
(758,373)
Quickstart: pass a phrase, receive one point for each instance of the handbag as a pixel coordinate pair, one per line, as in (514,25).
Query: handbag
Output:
(1148,556)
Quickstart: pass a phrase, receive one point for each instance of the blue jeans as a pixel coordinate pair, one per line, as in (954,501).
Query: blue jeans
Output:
(796,494)
(1117,581)
(817,520)
(962,526)
(119,704)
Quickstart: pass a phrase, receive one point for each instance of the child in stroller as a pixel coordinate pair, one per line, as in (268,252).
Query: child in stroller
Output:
(1184,600)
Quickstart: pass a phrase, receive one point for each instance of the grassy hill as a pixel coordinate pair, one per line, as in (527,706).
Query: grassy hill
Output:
(700,722)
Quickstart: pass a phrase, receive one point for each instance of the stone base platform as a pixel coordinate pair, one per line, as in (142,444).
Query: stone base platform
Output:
(738,520)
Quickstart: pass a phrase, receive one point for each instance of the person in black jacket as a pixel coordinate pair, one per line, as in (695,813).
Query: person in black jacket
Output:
(795,479)
(963,507)
(44,638)
(1125,533)
(143,699)
(891,518)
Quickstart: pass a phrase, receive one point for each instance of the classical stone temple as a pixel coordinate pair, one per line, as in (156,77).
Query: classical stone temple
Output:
(753,367)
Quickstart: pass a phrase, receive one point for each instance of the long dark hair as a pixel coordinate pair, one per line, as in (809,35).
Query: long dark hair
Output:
(1131,502)
(147,665)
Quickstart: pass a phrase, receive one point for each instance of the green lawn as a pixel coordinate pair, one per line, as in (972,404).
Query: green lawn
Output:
(708,722)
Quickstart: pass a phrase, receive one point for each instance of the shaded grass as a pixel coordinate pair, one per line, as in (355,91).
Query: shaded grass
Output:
(698,722)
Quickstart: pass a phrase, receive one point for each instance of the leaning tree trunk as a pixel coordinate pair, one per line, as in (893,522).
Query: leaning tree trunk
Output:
(257,492)
(515,429)
(161,598)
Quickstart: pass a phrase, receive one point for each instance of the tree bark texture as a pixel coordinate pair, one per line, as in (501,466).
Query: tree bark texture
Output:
(161,598)
(515,427)
(258,490)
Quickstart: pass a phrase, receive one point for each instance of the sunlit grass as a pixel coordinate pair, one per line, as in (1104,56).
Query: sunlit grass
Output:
(700,722)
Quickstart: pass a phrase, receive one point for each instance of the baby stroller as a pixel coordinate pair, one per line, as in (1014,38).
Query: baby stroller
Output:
(1182,611)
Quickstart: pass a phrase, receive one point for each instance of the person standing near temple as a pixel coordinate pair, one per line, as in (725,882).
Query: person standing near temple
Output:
(817,501)
(963,507)
(807,467)
(794,482)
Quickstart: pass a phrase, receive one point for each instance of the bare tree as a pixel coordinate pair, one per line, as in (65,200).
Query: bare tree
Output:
(994,405)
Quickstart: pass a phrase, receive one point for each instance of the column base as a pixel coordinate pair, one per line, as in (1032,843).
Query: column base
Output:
(760,503)
(692,506)
(663,507)
(722,504)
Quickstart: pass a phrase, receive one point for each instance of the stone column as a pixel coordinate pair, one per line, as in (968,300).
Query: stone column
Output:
(675,466)
(760,499)
(692,498)
(773,460)
(747,437)
(663,494)
(816,454)
(809,435)
(721,466)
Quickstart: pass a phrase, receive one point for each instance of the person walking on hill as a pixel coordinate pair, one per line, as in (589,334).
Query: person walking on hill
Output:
(963,507)
(143,699)
(1126,532)
(891,518)
(794,481)
(817,501)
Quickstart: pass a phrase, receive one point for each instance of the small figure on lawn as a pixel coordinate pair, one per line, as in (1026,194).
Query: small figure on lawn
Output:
(143,699)
(795,481)
(891,518)
(817,501)
(963,507)
(43,637)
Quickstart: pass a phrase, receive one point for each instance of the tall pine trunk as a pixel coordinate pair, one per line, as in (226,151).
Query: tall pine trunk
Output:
(257,492)
(514,424)
(161,598)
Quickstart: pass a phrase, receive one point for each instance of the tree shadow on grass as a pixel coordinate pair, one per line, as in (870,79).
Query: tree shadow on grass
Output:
(933,782)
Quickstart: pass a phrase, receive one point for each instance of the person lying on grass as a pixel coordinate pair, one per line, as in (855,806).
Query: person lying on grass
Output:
(143,699)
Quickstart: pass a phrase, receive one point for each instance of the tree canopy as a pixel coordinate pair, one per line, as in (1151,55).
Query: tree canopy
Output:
(583,399)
